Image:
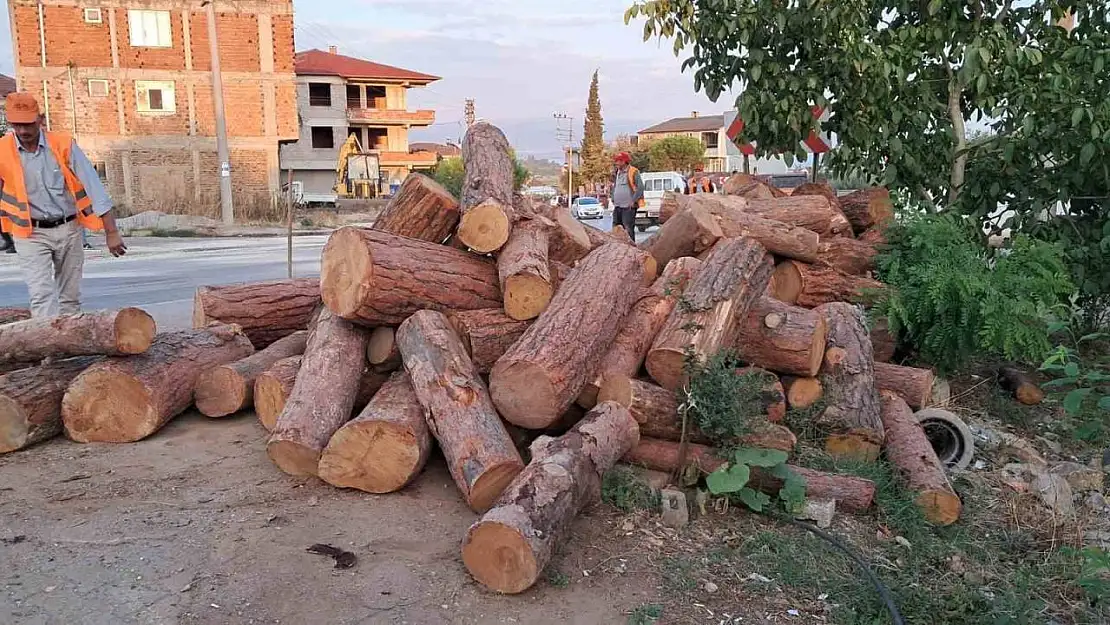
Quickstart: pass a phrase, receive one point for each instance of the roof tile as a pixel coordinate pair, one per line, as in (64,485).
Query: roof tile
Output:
(319,63)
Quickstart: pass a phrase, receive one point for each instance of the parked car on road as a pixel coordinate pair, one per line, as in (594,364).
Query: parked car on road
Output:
(587,208)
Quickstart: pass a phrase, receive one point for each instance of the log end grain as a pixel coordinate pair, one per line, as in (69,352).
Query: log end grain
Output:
(221,391)
(395,451)
(499,557)
(485,228)
(104,406)
(135,330)
(347,268)
(14,426)
(667,367)
(526,296)
(531,410)
(269,400)
(786,283)
(494,480)
(939,506)
(858,446)
(801,393)
(381,346)
(616,388)
(294,458)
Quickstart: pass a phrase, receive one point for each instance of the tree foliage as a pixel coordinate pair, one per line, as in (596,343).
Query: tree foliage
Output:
(450,173)
(595,167)
(676,153)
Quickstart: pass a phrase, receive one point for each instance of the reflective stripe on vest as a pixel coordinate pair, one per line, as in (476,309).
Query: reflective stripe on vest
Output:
(15,212)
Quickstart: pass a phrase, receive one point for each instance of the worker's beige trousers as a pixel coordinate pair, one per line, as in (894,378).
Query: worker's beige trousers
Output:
(53,260)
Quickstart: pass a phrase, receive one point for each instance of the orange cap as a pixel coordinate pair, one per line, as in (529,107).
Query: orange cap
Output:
(21,108)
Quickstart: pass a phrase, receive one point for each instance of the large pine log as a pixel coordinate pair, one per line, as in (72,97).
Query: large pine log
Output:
(781,239)
(274,386)
(375,278)
(852,415)
(810,212)
(385,447)
(780,337)
(690,233)
(883,342)
(599,238)
(323,396)
(479,452)
(823,189)
(266,311)
(124,399)
(810,286)
(543,373)
(421,209)
(487,192)
(867,208)
(229,388)
(381,349)
(913,385)
(11,314)
(908,448)
(734,275)
(31,402)
(508,548)
(522,268)
(749,186)
(851,256)
(851,493)
(108,332)
(486,334)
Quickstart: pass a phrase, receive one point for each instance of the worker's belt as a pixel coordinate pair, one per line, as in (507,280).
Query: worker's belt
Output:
(52,223)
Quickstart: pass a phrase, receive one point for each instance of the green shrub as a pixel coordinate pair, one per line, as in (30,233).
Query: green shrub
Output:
(450,173)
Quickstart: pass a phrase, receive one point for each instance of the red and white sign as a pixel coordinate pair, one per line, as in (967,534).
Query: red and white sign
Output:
(817,142)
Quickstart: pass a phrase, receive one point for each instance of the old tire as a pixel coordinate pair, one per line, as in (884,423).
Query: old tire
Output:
(949,436)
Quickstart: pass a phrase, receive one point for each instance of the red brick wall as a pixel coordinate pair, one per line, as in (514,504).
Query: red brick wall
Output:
(176,123)
(286,108)
(95,115)
(251,171)
(69,39)
(26,21)
(144,57)
(243,107)
(283,43)
(238,36)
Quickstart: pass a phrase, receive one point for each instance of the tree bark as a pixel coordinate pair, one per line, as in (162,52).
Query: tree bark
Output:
(734,275)
(909,450)
(323,396)
(486,334)
(11,314)
(109,332)
(381,350)
(852,415)
(508,548)
(913,385)
(867,208)
(31,402)
(691,232)
(421,209)
(748,186)
(522,268)
(811,212)
(783,338)
(851,256)
(229,388)
(810,286)
(599,238)
(781,239)
(267,311)
(875,236)
(479,452)
(539,377)
(851,493)
(568,241)
(487,193)
(126,399)
(1020,384)
(273,388)
(801,393)
(823,189)
(374,278)
(385,447)
(882,341)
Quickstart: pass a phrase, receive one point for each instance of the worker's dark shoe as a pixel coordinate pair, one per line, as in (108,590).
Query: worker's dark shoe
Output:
(10,249)
(88,246)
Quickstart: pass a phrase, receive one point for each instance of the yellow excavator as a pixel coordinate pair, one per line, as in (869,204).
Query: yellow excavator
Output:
(357,174)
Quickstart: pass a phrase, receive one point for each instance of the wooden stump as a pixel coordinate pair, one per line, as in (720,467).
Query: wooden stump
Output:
(273,388)
(486,334)
(850,256)
(267,311)
(691,232)
(381,349)
(780,239)
(732,278)
(913,385)
(780,337)
(323,396)
(801,393)
(126,399)
(229,388)
(508,548)
(908,448)
(109,332)
(1020,384)
(522,268)
(375,278)
(810,286)
(848,377)
(883,342)
(385,447)
(538,378)
(11,314)
(31,402)
(479,452)
(487,192)
(867,207)
(421,209)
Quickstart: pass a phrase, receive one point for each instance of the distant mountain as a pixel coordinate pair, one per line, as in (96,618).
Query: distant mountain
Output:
(536,137)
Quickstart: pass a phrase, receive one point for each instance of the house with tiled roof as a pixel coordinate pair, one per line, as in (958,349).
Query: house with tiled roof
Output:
(339,95)
(721,154)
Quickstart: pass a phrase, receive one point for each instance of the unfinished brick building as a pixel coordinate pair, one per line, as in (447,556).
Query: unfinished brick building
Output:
(132,79)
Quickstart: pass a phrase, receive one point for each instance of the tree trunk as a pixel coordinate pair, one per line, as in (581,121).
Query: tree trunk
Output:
(882,341)
(913,385)
(811,212)
(908,448)
(374,278)
(691,232)
(421,209)
(323,396)
(539,377)
(867,208)
(850,493)
(108,332)
(381,350)
(851,256)
(522,268)
(781,239)
(479,452)
(126,399)
(11,314)
(734,275)
(748,186)
(508,548)
(823,189)
(267,311)
(875,236)
(385,447)
(810,286)
(229,388)
(487,192)
(31,402)
(1020,384)
(852,415)
(486,334)
(273,388)
(568,241)
(801,393)
(781,337)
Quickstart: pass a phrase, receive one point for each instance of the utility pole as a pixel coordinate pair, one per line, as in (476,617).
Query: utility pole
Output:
(567,135)
(227,211)
(468,111)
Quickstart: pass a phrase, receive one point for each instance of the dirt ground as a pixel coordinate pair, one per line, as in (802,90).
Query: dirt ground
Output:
(195,525)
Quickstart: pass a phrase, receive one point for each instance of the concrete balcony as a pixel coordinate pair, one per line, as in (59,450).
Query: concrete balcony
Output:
(390,117)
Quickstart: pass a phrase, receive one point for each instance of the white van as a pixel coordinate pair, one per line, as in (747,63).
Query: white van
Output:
(656,183)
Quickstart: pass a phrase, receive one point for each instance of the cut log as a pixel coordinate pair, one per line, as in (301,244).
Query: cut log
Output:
(266,311)
(748,186)
(508,548)
(779,238)
(109,332)
(599,238)
(810,286)
(480,453)
(375,278)
(31,402)
(852,416)
(734,275)
(851,256)
(801,393)
(486,334)
(229,388)
(669,206)
(622,235)
(823,189)
(908,448)
(522,268)
(421,209)
(883,342)
(851,493)
(381,349)
(323,396)
(487,192)
(1020,384)
(11,314)
(273,388)
(875,236)
(780,337)
(913,385)
(538,377)
(867,208)
(812,212)
(691,232)
(559,273)
(568,241)
(385,447)
(126,399)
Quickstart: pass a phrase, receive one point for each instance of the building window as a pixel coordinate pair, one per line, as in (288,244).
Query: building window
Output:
(98,87)
(376,138)
(154,96)
(92,16)
(323,137)
(375,97)
(101,171)
(710,140)
(354,96)
(319,94)
(149,29)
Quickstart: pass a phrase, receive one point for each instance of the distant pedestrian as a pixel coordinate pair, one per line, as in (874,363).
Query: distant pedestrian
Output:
(628,193)
(699,182)
(49,193)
